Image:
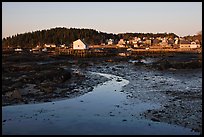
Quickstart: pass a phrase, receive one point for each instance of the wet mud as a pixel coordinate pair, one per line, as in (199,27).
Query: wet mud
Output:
(174,82)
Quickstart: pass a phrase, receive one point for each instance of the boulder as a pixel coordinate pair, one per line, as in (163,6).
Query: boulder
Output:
(13,95)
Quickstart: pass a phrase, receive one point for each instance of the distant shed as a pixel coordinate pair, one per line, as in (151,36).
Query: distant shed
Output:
(80,45)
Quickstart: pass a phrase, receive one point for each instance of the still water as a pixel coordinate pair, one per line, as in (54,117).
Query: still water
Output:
(105,110)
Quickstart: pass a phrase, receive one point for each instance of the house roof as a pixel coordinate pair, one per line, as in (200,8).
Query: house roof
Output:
(170,42)
(82,41)
(185,42)
(156,41)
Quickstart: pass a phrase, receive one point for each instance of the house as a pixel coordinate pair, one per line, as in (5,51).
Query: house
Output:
(176,40)
(159,38)
(194,45)
(50,46)
(62,45)
(163,43)
(170,42)
(135,41)
(148,42)
(18,49)
(36,49)
(110,41)
(135,45)
(80,45)
(155,42)
(44,50)
(103,44)
(197,41)
(121,43)
(184,44)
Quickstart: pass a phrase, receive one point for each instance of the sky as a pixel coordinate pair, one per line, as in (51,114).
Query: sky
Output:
(181,18)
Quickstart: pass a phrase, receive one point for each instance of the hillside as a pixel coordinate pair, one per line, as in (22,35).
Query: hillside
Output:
(67,36)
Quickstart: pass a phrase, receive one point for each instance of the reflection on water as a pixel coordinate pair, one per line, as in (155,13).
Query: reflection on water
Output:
(105,110)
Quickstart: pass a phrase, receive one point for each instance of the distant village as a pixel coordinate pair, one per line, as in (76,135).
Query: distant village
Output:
(135,43)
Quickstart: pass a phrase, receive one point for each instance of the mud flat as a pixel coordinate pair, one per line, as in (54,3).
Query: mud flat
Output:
(179,91)
(105,110)
(42,78)
(163,100)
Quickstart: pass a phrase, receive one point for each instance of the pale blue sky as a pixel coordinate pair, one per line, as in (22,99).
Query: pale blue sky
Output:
(181,18)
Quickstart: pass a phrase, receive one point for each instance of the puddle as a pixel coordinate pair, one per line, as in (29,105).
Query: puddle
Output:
(105,110)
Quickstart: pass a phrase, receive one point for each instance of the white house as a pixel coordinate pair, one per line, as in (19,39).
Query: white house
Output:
(135,45)
(18,49)
(62,45)
(176,40)
(164,42)
(50,46)
(194,45)
(44,50)
(110,41)
(184,44)
(121,43)
(79,44)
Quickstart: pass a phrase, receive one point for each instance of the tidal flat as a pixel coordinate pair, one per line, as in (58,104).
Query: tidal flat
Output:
(107,95)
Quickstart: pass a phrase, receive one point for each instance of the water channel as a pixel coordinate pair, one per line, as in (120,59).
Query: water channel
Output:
(105,110)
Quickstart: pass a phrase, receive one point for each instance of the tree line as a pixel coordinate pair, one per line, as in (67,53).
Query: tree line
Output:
(66,36)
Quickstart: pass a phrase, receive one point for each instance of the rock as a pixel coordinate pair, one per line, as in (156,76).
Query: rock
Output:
(47,89)
(26,101)
(90,89)
(40,93)
(47,100)
(113,69)
(14,95)
(66,75)
(139,63)
(120,66)
(17,85)
(29,90)
(155,112)
(118,80)
(57,91)
(161,111)
(155,119)
(8,94)
(57,75)
(149,111)
(166,106)
(24,92)
(75,90)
